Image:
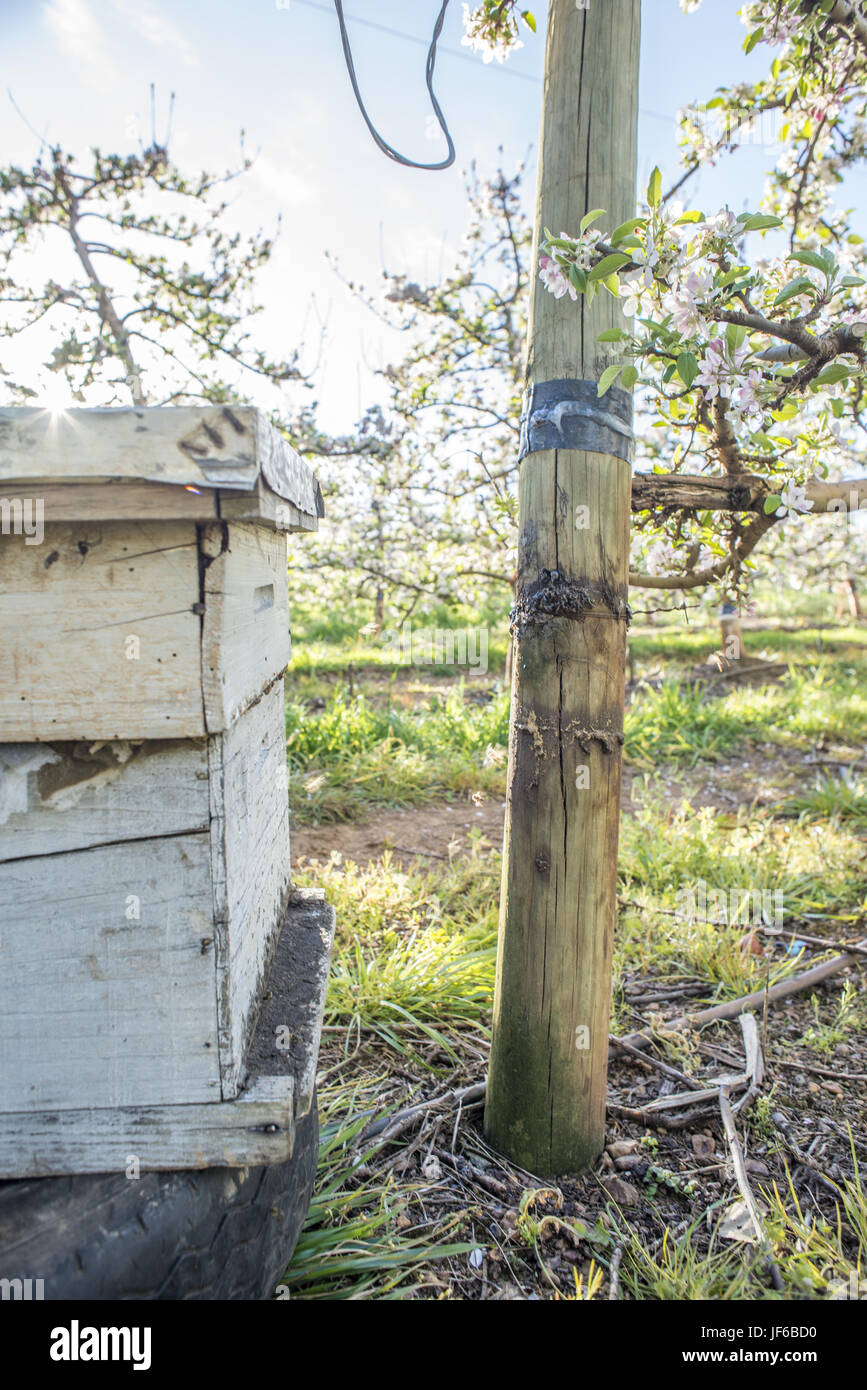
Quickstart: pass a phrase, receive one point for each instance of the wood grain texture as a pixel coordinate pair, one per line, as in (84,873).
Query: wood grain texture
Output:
(107,974)
(68,609)
(121,501)
(257,1128)
(245,637)
(546,1090)
(265,507)
(200,446)
(251,867)
(72,796)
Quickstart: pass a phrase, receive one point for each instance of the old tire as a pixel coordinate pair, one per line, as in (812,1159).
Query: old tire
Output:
(217,1233)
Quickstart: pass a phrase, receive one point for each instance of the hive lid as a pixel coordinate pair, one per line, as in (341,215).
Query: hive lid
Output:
(224,447)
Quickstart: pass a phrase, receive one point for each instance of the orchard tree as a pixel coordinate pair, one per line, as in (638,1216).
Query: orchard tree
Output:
(749,330)
(425,512)
(747,349)
(145,296)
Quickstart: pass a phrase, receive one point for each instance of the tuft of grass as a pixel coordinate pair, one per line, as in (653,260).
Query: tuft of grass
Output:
(679,1269)
(357,1242)
(818,1257)
(355,755)
(414,960)
(843,797)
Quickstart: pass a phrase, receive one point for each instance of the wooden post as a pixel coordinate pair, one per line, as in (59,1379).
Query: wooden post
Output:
(546,1090)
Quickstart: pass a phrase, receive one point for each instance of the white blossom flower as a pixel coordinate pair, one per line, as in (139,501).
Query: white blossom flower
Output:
(685,301)
(793,498)
(746,400)
(477,37)
(553,279)
(719,367)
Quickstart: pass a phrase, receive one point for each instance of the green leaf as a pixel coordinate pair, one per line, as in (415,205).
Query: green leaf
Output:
(771,503)
(758,221)
(752,39)
(693,215)
(591,217)
(630,376)
(800,285)
(814,259)
(608,377)
(687,368)
(730,276)
(625,228)
(612,285)
(735,335)
(578,278)
(849,280)
(602,269)
(611,335)
(529,19)
(654,189)
(666,376)
(835,371)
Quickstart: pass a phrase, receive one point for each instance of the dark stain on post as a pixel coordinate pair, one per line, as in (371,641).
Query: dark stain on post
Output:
(557,595)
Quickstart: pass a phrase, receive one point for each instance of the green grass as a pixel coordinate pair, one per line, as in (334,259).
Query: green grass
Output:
(356,754)
(360,752)
(356,1242)
(413,966)
(841,797)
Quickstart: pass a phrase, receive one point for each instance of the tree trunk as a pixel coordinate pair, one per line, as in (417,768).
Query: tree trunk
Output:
(546,1089)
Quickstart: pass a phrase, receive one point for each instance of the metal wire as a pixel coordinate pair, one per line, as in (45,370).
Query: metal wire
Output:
(382,144)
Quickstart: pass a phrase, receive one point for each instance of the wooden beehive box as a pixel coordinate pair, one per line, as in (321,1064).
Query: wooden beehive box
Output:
(144,832)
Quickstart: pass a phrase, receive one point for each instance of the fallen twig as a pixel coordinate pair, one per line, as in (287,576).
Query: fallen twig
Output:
(733,1007)
(651,1061)
(797,1152)
(657,1120)
(746,1191)
(391,1126)
(614,1272)
(853,948)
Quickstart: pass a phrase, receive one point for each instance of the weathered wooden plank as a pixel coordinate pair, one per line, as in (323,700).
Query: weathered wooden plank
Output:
(257,1128)
(72,796)
(245,636)
(200,446)
(99,633)
(119,501)
(251,868)
(107,977)
(265,508)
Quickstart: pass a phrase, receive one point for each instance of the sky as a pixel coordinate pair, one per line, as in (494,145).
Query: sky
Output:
(79,72)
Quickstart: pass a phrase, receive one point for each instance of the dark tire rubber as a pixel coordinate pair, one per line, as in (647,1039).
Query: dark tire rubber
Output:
(215,1233)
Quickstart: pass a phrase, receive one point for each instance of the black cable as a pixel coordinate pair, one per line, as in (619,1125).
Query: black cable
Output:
(429,75)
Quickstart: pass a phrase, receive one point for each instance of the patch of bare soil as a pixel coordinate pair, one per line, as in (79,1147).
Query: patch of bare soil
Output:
(440,831)
(760,776)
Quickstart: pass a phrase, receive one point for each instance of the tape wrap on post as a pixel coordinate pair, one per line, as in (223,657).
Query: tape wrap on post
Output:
(569,414)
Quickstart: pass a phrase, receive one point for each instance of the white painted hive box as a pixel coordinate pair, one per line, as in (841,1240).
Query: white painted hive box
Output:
(144,832)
